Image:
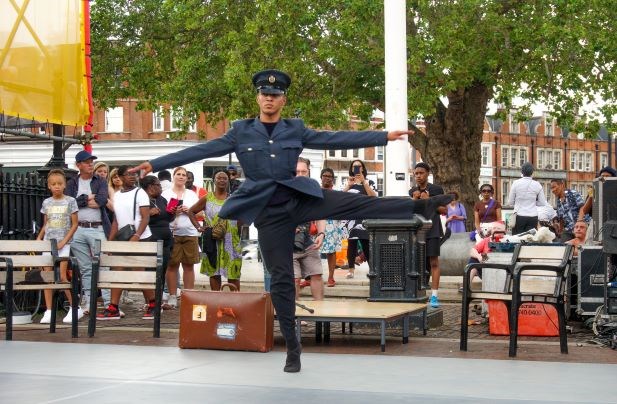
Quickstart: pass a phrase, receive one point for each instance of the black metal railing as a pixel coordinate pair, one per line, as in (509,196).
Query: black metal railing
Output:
(21,197)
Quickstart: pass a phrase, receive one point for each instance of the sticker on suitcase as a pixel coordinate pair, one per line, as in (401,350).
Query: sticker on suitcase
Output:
(226,331)
(199,312)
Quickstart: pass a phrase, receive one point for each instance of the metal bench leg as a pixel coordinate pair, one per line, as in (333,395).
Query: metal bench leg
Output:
(318,329)
(8,307)
(326,332)
(424,321)
(93,293)
(75,300)
(383,335)
(405,329)
(563,337)
(54,309)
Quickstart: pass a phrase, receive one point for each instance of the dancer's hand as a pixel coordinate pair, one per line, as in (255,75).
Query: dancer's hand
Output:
(398,134)
(143,169)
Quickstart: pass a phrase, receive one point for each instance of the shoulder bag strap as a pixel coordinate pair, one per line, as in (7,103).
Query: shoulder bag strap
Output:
(135,207)
(490,204)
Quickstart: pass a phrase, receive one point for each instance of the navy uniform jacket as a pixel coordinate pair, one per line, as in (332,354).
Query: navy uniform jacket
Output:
(268,161)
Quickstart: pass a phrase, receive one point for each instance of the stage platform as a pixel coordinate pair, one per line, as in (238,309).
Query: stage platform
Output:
(43,372)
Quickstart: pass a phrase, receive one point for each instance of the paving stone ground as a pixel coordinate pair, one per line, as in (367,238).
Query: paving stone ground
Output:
(440,341)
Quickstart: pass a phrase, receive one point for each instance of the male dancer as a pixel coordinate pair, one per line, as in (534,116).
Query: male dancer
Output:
(277,200)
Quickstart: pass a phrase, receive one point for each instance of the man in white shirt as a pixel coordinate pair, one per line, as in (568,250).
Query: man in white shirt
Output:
(526,195)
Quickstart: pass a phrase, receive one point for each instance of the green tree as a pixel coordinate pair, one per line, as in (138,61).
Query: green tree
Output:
(199,55)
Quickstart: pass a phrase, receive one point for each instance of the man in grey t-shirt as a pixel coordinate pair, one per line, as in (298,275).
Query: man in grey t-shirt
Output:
(91,193)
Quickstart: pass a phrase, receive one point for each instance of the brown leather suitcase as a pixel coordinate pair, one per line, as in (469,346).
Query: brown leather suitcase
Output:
(238,321)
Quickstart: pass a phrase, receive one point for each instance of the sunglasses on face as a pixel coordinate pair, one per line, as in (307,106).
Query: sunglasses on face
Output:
(486,191)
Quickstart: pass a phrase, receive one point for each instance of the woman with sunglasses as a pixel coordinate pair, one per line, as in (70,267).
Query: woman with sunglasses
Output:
(487,209)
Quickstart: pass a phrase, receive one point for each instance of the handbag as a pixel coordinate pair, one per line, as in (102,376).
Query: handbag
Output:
(128,231)
(473,233)
(219,229)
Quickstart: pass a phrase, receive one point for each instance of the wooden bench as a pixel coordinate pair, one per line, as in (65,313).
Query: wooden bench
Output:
(535,273)
(360,312)
(122,258)
(17,257)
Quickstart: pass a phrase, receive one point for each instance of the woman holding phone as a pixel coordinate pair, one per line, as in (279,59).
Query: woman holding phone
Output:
(185,250)
(357,183)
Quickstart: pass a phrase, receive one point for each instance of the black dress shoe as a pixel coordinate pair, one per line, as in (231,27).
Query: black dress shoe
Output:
(292,364)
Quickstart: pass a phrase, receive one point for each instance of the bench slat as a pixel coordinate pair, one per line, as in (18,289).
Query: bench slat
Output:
(129,247)
(127,286)
(47,286)
(20,276)
(29,261)
(127,276)
(128,261)
(25,246)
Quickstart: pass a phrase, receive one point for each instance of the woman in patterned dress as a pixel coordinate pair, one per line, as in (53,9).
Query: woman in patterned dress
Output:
(227,259)
(333,234)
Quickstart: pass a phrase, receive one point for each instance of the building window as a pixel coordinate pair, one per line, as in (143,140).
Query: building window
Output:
(486,156)
(542,159)
(380,151)
(546,187)
(557,160)
(175,118)
(514,126)
(513,156)
(114,120)
(379,186)
(549,159)
(158,119)
(588,162)
(344,153)
(505,152)
(355,153)
(580,161)
(522,156)
(331,153)
(505,190)
(192,127)
(549,126)
(603,160)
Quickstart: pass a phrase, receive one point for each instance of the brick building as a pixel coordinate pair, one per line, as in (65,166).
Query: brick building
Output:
(554,152)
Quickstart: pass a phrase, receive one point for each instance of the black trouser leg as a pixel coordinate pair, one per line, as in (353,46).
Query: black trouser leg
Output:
(345,205)
(276,234)
(524,223)
(352,253)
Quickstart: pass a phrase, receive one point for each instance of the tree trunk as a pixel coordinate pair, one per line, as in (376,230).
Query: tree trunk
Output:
(451,144)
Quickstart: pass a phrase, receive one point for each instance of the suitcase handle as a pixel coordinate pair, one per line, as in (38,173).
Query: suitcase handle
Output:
(231,286)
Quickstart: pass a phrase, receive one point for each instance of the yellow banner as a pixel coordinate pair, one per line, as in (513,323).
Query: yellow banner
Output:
(42,61)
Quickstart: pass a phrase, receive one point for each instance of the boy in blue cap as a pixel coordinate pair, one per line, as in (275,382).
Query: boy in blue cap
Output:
(277,200)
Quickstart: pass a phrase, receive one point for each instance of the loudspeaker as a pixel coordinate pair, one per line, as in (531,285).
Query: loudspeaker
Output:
(604,204)
(591,279)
